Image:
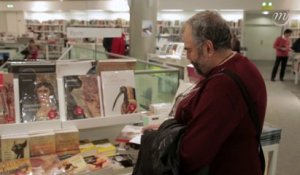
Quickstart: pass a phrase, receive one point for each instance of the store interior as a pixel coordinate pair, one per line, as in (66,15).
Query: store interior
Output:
(49,23)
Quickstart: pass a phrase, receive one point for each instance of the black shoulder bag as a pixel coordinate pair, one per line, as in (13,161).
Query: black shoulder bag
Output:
(159,150)
(252,112)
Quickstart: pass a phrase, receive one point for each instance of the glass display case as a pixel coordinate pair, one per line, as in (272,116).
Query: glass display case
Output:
(155,83)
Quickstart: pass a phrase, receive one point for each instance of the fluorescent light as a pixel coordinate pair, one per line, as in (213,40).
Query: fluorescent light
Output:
(199,10)
(10,6)
(231,10)
(265,12)
(264,4)
(99,10)
(40,6)
(172,10)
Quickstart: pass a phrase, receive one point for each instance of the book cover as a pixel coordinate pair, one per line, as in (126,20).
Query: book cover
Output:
(128,133)
(38,97)
(74,164)
(7,101)
(41,143)
(1,168)
(163,49)
(115,65)
(97,162)
(121,161)
(16,167)
(82,97)
(14,147)
(118,92)
(67,140)
(179,49)
(46,165)
(87,148)
(105,147)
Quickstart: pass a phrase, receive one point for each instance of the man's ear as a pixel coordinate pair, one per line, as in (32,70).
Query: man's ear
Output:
(209,48)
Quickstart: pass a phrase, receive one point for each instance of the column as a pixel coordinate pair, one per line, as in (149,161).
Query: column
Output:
(142,33)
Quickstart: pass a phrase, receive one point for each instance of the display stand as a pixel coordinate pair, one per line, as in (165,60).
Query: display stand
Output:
(180,64)
(271,154)
(296,67)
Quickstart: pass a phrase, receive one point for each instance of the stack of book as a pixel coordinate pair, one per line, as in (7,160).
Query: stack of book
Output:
(104,146)
(67,142)
(270,134)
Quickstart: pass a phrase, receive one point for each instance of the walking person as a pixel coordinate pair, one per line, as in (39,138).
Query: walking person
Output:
(282,47)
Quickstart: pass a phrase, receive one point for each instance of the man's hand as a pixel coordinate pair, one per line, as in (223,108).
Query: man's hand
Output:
(150,128)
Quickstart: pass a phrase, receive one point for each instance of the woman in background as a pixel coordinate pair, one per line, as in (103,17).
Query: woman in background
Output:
(32,50)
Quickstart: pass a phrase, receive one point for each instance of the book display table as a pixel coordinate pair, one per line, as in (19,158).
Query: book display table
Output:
(270,139)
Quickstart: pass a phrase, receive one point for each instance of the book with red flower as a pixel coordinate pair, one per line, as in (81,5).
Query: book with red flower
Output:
(82,97)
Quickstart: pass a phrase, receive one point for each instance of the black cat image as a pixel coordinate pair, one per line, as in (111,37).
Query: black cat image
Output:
(18,149)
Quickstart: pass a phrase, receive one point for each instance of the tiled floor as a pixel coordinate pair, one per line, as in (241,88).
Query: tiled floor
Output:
(283,110)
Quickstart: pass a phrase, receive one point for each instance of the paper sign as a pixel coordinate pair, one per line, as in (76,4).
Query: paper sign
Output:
(90,32)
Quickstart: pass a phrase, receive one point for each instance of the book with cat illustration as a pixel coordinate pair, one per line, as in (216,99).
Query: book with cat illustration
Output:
(14,146)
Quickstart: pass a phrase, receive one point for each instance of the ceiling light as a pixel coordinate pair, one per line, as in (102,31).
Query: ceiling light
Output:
(10,6)
(172,10)
(199,10)
(265,12)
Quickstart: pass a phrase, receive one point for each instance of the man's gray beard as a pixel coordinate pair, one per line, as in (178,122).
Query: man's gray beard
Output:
(198,69)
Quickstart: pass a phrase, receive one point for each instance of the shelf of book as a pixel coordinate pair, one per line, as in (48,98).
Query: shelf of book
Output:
(293,24)
(103,121)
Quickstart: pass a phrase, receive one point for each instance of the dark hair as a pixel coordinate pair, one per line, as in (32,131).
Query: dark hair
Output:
(287,31)
(47,85)
(209,25)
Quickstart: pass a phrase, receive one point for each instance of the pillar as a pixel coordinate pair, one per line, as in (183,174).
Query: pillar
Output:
(143,15)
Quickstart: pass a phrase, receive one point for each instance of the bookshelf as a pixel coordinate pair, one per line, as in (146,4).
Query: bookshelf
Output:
(294,25)
(120,23)
(46,28)
(50,34)
(171,29)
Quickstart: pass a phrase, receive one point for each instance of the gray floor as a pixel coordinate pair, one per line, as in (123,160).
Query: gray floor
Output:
(283,110)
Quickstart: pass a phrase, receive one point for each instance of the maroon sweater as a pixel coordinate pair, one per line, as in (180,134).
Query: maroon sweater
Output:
(280,43)
(219,131)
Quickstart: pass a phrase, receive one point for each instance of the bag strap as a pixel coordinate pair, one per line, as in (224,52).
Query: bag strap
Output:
(252,111)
